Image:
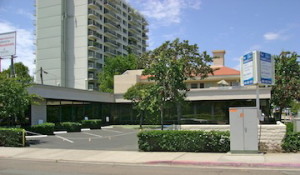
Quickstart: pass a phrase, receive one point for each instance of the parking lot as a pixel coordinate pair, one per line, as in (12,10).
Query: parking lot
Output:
(116,139)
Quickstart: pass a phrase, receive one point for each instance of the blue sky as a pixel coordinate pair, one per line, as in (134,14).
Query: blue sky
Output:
(237,26)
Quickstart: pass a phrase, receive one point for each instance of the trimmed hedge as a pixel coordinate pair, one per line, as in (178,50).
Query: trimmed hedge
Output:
(69,126)
(45,128)
(291,141)
(92,124)
(184,141)
(14,137)
(289,127)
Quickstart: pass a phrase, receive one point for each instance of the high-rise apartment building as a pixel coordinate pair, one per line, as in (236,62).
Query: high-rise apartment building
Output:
(74,37)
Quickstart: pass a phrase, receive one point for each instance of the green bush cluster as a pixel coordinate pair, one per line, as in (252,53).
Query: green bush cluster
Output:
(92,124)
(14,137)
(45,128)
(291,141)
(69,126)
(184,141)
(289,127)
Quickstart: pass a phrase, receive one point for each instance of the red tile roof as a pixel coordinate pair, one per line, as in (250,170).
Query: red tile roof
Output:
(222,70)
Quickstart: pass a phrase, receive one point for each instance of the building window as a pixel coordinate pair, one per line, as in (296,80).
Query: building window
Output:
(91,53)
(91,75)
(234,83)
(99,66)
(99,55)
(194,86)
(201,85)
(91,86)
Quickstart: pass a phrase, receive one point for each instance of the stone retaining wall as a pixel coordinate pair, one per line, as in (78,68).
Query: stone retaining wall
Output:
(270,136)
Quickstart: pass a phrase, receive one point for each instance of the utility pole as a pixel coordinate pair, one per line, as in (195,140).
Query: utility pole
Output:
(41,74)
(12,69)
(0,64)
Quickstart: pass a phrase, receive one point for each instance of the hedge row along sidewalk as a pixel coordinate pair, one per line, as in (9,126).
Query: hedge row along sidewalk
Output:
(291,141)
(12,137)
(49,128)
(184,141)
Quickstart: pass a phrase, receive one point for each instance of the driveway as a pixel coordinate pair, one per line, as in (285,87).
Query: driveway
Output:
(116,139)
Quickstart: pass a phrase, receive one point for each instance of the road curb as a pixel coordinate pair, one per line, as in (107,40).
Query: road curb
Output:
(229,164)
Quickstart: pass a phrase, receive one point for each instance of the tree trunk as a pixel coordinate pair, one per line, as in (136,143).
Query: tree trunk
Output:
(162,118)
(280,113)
(141,120)
(179,113)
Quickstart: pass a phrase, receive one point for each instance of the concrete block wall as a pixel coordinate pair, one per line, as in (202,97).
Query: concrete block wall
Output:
(270,136)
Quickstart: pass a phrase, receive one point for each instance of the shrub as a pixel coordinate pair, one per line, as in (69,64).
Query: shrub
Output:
(45,128)
(185,141)
(69,126)
(291,142)
(93,124)
(289,127)
(12,137)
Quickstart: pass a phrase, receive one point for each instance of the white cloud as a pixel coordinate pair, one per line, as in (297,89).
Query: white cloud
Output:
(25,46)
(25,13)
(167,12)
(271,36)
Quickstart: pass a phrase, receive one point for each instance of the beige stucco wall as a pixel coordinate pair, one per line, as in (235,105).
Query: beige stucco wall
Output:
(270,136)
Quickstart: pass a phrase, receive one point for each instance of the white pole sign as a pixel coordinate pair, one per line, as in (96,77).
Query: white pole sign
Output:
(7,44)
(247,67)
(266,68)
(257,68)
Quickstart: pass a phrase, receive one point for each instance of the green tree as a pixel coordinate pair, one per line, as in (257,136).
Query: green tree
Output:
(170,65)
(14,99)
(287,80)
(21,72)
(115,66)
(143,98)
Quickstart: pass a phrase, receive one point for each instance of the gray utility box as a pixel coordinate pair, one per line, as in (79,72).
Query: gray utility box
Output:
(297,124)
(243,129)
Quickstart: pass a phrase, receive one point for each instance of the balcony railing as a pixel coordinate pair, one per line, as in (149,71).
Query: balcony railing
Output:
(94,34)
(111,42)
(110,52)
(94,15)
(94,45)
(111,6)
(92,4)
(112,15)
(110,33)
(111,24)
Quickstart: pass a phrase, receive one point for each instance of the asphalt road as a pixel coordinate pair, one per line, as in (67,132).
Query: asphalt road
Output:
(29,167)
(115,139)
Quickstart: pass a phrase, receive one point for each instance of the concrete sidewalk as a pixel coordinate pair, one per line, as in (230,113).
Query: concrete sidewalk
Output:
(285,160)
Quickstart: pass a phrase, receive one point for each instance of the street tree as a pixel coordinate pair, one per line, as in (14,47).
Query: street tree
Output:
(14,99)
(21,72)
(169,66)
(115,66)
(287,80)
(144,99)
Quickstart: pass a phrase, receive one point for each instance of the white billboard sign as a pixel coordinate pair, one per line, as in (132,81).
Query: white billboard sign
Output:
(266,68)
(257,68)
(7,44)
(247,67)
